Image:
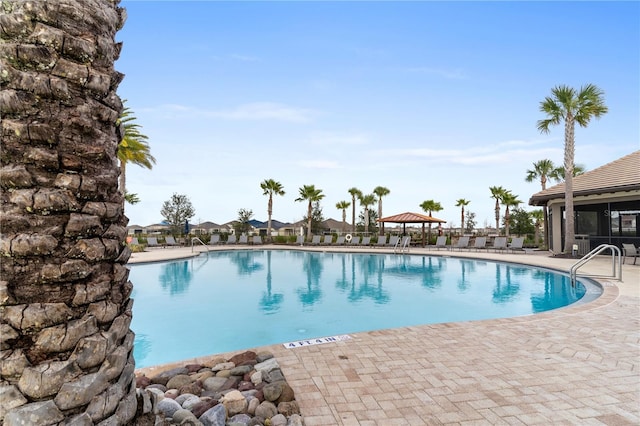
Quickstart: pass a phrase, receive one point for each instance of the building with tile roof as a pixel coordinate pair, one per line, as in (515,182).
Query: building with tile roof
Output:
(606,205)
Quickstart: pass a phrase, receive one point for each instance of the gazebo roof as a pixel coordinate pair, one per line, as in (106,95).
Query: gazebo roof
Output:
(411,218)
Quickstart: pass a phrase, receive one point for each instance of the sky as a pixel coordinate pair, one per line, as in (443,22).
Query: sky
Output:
(432,100)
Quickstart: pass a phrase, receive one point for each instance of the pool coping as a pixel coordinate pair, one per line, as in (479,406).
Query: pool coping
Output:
(363,381)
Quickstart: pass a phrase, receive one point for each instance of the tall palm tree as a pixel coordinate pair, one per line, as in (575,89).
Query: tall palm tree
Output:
(542,170)
(66,304)
(571,106)
(270,187)
(355,193)
(133,148)
(461,203)
(430,206)
(557,174)
(366,201)
(497,192)
(343,205)
(538,216)
(508,200)
(311,194)
(381,191)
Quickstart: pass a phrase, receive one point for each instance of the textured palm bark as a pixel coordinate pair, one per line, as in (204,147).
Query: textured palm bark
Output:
(65,308)
(569,155)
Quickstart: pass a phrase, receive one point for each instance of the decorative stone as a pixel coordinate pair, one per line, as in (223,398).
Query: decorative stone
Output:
(178,381)
(223,366)
(253,404)
(163,378)
(239,420)
(214,383)
(241,370)
(274,375)
(272,391)
(191,402)
(199,409)
(278,420)
(267,365)
(266,410)
(287,393)
(168,406)
(183,416)
(256,377)
(288,408)
(215,416)
(243,357)
(234,402)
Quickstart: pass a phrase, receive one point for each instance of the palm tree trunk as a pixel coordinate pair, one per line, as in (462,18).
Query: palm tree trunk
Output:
(309,213)
(381,228)
(497,217)
(462,222)
(353,215)
(122,179)
(269,213)
(67,350)
(366,221)
(569,152)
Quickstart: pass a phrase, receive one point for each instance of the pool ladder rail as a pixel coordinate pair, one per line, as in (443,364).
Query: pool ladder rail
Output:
(196,239)
(616,272)
(402,245)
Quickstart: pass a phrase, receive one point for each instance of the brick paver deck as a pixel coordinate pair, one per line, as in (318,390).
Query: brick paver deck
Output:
(577,365)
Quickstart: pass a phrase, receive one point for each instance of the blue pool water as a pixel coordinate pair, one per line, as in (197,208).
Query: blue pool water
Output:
(233,300)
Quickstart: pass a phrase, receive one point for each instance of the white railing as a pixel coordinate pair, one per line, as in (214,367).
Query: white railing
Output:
(196,239)
(402,245)
(615,252)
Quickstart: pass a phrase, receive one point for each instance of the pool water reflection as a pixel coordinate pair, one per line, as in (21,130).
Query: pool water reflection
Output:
(232,300)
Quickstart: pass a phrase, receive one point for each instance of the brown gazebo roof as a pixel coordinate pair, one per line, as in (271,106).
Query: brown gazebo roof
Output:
(411,218)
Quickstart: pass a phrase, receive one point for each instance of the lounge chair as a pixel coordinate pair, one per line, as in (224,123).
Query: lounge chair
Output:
(215,239)
(365,241)
(170,241)
(405,242)
(231,239)
(516,244)
(243,239)
(300,239)
(462,243)
(480,243)
(257,239)
(630,250)
(340,241)
(328,239)
(382,241)
(393,241)
(441,242)
(355,241)
(153,242)
(499,243)
(315,240)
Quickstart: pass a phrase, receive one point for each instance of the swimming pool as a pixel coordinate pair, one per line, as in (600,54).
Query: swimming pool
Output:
(231,300)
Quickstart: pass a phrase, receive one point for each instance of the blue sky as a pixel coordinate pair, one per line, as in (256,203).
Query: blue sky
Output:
(433,100)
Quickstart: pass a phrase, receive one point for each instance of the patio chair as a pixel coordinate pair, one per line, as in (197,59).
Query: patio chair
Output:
(300,240)
(462,243)
(355,241)
(328,239)
(366,241)
(630,250)
(170,241)
(339,241)
(231,239)
(382,241)
(257,239)
(480,243)
(393,241)
(441,242)
(153,242)
(516,244)
(243,239)
(215,239)
(499,243)
(315,240)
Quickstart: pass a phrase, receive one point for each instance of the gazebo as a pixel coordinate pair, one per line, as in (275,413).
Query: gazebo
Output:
(408,217)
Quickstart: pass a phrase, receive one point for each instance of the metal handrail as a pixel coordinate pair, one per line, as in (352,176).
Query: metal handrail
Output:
(405,244)
(200,241)
(615,251)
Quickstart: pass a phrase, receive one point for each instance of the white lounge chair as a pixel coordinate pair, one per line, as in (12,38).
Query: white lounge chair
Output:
(382,241)
(257,239)
(462,243)
(480,243)
(499,243)
(355,241)
(231,239)
(630,250)
(441,242)
(393,240)
(244,239)
(300,240)
(516,244)
(170,241)
(328,239)
(215,239)
(153,242)
(340,241)
(365,241)
(315,240)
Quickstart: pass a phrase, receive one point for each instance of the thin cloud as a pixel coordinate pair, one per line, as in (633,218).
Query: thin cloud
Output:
(318,164)
(328,138)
